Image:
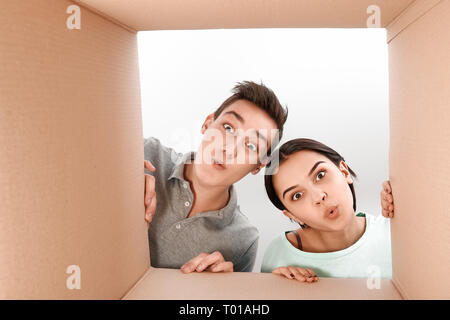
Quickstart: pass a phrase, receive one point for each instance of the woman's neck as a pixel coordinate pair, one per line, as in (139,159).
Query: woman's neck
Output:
(329,241)
(206,198)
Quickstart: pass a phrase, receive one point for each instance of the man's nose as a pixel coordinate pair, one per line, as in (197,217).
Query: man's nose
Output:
(230,149)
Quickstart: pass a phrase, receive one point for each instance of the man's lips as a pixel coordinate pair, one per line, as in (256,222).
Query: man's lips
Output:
(218,164)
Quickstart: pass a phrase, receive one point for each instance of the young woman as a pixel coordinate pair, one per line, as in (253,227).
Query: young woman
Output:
(314,187)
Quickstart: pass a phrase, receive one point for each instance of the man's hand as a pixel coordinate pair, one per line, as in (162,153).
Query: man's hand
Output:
(149,193)
(213,262)
(387,200)
(299,274)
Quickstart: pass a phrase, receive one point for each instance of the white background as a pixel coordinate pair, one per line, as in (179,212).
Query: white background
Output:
(334,82)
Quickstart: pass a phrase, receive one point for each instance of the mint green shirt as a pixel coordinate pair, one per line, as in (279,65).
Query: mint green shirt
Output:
(368,257)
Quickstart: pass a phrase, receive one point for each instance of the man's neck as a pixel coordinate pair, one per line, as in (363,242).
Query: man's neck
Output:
(206,198)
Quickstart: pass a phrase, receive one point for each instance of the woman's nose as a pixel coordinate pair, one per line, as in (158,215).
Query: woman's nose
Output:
(320,197)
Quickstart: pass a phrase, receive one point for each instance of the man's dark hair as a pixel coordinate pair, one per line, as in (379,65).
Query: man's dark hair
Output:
(294,146)
(262,97)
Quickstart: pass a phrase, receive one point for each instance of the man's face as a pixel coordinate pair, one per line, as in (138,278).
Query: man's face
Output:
(234,143)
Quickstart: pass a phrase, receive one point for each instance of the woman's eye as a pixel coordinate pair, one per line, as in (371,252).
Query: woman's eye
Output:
(296,196)
(252,147)
(320,175)
(228,128)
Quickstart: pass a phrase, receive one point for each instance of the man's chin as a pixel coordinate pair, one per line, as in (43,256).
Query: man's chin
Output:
(209,176)
(216,175)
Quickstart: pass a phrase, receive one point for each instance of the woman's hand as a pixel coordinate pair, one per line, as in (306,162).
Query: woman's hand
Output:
(299,274)
(387,200)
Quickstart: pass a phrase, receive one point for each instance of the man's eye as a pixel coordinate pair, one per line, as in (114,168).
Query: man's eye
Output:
(296,196)
(320,175)
(252,147)
(228,128)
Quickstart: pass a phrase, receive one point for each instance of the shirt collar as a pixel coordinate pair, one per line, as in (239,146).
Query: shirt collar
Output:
(178,168)
(223,216)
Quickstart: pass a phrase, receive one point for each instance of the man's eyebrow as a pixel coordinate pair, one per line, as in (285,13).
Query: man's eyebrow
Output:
(289,189)
(314,167)
(237,115)
(262,137)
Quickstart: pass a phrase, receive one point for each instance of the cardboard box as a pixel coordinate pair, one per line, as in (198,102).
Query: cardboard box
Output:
(71,174)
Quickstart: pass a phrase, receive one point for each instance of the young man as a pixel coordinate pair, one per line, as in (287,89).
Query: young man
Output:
(196,224)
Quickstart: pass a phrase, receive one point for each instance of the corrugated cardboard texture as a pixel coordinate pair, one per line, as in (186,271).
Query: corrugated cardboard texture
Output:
(71,164)
(172,284)
(71,169)
(213,14)
(419,59)
(416,10)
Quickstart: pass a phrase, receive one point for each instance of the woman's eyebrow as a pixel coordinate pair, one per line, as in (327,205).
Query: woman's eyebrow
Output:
(314,167)
(289,189)
(310,172)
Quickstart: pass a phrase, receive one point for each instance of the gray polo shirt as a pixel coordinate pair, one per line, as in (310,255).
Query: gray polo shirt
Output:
(175,239)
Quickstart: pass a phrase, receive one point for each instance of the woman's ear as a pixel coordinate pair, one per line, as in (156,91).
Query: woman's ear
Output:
(209,119)
(291,216)
(344,169)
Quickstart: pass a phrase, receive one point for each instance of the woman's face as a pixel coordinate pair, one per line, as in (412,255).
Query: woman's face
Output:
(315,191)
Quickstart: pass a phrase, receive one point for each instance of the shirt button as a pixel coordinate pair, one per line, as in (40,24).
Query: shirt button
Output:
(185,185)
(178,226)
(187,203)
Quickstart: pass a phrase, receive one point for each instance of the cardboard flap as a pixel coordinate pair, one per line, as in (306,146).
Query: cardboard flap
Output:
(159,283)
(71,164)
(419,57)
(215,14)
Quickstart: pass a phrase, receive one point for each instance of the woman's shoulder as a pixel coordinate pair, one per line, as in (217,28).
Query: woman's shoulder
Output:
(276,242)
(376,221)
(292,237)
(378,226)
(297,237)
(274,251)
(276,247)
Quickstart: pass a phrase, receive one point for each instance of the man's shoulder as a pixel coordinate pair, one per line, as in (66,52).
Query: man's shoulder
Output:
(162,157)
(241,221)
(154,146)
(243,233)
